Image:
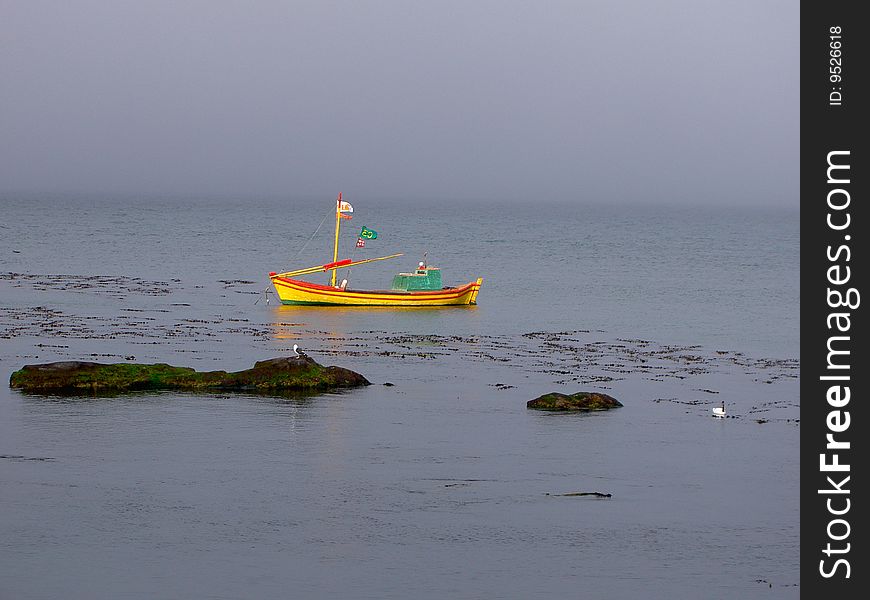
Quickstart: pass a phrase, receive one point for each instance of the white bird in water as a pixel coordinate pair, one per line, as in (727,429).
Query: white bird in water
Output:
(719,411)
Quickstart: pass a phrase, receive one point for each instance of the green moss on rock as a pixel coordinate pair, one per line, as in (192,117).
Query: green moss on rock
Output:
(579,401)
(291,374)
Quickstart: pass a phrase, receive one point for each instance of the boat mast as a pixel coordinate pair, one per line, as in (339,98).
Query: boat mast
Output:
(337,225)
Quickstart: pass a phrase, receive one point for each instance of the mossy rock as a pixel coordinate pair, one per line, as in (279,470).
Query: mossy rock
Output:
(290,374)
(580,401)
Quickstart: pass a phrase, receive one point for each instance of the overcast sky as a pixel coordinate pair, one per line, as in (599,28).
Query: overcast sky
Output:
(602,100)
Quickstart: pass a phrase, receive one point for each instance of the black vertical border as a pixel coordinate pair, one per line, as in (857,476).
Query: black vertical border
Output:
(826,128)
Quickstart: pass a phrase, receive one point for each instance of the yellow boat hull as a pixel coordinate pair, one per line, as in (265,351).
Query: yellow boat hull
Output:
(295,291)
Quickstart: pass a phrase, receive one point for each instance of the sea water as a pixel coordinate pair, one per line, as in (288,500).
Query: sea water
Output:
(443,484)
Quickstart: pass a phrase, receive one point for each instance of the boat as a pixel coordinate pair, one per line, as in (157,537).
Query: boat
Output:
(422,287)
(719,411)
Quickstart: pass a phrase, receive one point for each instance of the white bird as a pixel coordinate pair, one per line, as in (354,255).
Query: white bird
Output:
(296,349)
(719,411)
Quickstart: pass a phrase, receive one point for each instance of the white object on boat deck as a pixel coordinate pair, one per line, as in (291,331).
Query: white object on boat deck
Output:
(719,411)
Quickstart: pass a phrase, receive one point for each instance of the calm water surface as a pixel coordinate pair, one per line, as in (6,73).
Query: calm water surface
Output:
(443,485)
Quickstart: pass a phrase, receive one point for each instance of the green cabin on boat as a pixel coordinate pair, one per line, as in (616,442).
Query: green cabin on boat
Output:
(422,279)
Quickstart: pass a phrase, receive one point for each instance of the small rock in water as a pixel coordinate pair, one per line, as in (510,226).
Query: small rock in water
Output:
(583,401)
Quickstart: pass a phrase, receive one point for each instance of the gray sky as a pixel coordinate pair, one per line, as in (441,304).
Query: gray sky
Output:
(634,100)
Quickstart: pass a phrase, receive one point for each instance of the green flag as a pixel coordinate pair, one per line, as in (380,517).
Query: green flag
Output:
(368,234)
